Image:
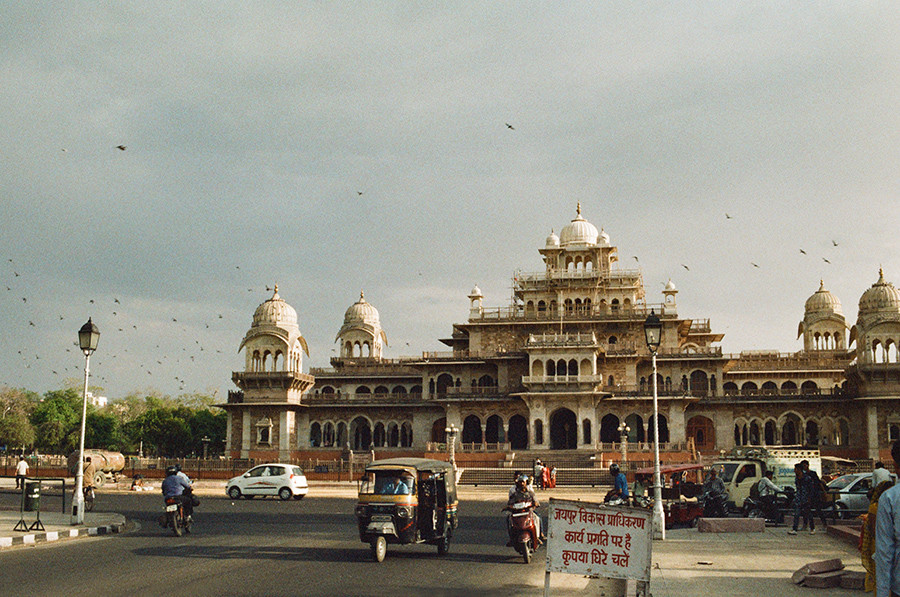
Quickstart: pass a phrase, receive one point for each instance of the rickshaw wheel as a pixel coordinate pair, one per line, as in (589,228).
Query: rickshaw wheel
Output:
(444,545)
(379,548)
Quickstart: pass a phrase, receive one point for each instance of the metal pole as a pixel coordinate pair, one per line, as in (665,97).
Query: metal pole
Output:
(78,499)
(659,519)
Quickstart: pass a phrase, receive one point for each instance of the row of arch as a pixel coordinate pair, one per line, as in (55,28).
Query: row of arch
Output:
(577,305)
(267,360)
(360,434)
(770,387)
(791,429)
(565,431)
(885,350)
(396,390)
(357,349)
(561,367)
(828,341)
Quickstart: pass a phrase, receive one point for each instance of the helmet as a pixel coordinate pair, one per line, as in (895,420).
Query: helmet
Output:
(522,479)
(171,470)
(614,469)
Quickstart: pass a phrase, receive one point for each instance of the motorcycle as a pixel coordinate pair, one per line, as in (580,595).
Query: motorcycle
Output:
(714,505)
(174,516)
(772,510)
(523,534)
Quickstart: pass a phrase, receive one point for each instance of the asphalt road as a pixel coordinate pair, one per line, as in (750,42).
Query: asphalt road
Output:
(269,547)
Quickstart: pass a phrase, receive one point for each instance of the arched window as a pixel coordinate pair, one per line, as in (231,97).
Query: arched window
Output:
(538,432)
(315,435)
(586,432)
(471,431)
(406,435)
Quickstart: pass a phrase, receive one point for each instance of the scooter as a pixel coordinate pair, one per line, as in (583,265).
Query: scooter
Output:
(523,536)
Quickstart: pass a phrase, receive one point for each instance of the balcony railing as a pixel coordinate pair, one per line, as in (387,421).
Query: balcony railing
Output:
(562,340)
(594,312)
(562,379)
(544,276)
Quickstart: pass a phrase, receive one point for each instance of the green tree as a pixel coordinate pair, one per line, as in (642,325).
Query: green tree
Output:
(102,431)
(16,406)
(57,420)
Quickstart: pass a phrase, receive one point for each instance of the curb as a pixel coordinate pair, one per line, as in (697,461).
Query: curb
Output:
(51,536)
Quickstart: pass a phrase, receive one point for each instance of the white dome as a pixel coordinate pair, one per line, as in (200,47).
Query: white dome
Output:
(552,240)
(476,292)
(603,241)
(578,232)
(882,297)
(823,302)
(670,286)
(275,312)
(361,312)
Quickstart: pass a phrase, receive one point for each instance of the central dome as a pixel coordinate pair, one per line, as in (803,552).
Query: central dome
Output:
(361,312)
(578,232)
(823,302)
(275,312)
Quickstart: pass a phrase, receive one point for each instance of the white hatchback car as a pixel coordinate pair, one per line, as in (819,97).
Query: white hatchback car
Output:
(284,480)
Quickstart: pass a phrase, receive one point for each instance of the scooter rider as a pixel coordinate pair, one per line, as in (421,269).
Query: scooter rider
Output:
(174,485)
(768,490)
(521,493)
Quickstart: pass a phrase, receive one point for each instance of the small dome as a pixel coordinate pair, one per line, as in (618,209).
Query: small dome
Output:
(578,232)
(603,241)
(881,297)
(823,302)
(476,292)
(275,312)
(552,240)
(670,286)
(361,312)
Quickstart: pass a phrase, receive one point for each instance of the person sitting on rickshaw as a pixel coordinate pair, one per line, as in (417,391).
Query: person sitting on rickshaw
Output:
(395,486)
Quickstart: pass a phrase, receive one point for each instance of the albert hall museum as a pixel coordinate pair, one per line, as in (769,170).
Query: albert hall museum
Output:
(565,367)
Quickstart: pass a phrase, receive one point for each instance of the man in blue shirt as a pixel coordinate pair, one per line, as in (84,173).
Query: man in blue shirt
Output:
(174,485)
(620,483)
(887,537)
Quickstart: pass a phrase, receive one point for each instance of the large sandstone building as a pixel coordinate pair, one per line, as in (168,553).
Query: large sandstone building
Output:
(565,367)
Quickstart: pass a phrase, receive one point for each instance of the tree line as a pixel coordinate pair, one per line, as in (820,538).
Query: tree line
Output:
(151,424)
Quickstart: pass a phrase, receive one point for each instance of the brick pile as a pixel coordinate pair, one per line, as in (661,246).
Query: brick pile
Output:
(827,574)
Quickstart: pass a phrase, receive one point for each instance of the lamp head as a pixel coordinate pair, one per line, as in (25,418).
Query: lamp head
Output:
(88,337)
(653,331)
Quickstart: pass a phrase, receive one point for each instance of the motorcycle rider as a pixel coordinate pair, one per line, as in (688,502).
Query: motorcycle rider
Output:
(620,484)
(767,491)
(174,486)
(714,490)
(521,493)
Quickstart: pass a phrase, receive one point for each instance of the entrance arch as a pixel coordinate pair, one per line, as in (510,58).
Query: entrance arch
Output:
(609,429)
(361,433)
(518,433)
(563,430)
(439,430)
(471,431)
(703,432)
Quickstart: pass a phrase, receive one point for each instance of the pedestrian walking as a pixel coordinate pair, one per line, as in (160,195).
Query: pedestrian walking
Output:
(21,472)
(539,473)
(880,474)
(887,537)
(818,493)
(802,508)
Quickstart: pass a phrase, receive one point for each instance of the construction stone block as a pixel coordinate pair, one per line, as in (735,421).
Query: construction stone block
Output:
(852,579)
(816,568)
(731,525)
(824,580)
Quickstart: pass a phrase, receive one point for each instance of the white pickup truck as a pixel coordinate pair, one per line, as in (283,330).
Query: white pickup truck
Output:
(743,467)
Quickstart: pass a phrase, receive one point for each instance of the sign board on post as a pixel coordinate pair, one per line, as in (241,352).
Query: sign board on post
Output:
(598,540)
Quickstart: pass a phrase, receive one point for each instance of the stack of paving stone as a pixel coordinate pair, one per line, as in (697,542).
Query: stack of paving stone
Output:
(828,574)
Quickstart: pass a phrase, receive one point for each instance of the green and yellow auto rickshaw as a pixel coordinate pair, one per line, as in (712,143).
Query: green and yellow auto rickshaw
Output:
(407,500)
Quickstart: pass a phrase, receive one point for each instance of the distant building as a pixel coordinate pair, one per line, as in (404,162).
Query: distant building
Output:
(564,365)
(98,401)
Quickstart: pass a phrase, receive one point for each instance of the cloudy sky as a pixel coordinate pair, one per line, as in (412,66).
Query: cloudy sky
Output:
(252,128)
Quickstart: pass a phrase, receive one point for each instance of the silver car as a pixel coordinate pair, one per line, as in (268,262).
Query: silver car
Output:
(851,493)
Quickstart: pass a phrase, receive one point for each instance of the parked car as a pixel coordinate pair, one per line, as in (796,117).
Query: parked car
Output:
(851,493)
(284,480)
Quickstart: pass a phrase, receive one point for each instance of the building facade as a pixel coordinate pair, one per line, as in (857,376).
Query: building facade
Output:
(565,367)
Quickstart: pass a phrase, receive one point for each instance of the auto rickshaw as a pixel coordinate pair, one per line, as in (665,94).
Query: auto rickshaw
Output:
(679,481)
(407,500)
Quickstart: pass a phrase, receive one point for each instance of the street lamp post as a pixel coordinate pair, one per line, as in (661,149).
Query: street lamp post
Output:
(653,333)
(88,336)
(623,436)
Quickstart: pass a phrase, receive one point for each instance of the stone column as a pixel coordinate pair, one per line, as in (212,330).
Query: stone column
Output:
(284,435)
(677,424)
(872,430)
(245,433)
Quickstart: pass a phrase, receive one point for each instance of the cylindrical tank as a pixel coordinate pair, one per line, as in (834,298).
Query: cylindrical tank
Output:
(103,460)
